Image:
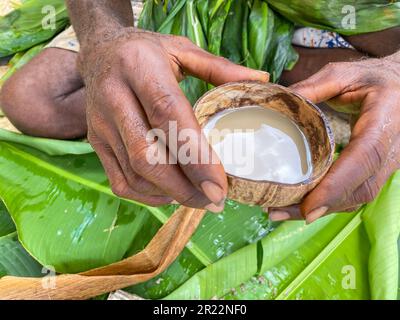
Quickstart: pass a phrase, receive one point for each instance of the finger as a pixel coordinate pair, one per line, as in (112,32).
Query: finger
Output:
(117,179)
(361,159)
(369,152)
(133,128)
(135,181)
(168,109)
(213,69)
(332,80)
(368,191)
(285,213)
(113,139)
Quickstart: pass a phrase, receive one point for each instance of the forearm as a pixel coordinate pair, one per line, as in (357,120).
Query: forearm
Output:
(95,21)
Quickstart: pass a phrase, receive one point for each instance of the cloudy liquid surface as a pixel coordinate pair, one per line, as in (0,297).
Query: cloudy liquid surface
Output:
(260,144)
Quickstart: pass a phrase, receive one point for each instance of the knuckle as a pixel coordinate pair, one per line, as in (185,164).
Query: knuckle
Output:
(184,41)
(162,108)
(94,140)
(139,184)
(96,122)
(120,188)
(139,162)
(332,67)
(369,191)
(192,199)
(337,71)
(375,150)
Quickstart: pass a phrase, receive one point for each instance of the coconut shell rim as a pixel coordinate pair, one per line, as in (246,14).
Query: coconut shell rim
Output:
(325,120)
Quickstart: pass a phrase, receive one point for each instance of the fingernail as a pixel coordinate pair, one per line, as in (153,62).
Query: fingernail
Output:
(315,214)
(266,74)
(278,215)
(214,208)
(213,192)
(174,202)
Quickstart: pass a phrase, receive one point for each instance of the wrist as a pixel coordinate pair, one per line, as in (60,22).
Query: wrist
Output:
(94,56)
(101,37)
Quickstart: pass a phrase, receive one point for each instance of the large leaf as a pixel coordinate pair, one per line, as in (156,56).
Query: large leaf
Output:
(26,26)
(65,214)
(369,15)
(231,44)
(67,217)
(218,12)
(281,54)
(313,262)
(49,146)
(382,222)
(260,27)
(15,261)
(6,224)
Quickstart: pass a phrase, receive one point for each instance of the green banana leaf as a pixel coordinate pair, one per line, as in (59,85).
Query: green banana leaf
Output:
(382,223)
(370,15)
(231,44)
(67,217)
(15,261)
(6,223)
(245,31)
(51,147)
(313,262)
(222,259)
(218,12)
(282,55)
(261,24)
(187,23)
(23,28)
(202,9)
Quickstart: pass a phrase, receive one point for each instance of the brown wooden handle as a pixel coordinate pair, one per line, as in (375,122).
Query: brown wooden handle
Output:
(162,250)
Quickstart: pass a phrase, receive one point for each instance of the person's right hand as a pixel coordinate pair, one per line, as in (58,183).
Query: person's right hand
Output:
(132,87)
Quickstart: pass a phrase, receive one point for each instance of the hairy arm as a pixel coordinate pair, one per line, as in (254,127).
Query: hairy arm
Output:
(93,21)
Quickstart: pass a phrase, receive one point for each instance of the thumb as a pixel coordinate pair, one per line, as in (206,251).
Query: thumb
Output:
(331,81)
(216,70)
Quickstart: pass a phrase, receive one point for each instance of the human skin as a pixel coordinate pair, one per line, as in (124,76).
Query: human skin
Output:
(131,78)
(373,154)
(54,82)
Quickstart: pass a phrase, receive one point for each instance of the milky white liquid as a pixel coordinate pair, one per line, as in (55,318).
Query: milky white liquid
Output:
(260,144)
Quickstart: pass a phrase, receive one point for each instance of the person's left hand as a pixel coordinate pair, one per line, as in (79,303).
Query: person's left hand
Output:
(373,153)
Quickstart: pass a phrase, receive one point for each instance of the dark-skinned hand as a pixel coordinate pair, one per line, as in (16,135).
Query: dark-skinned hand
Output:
(373,88)
(132,87)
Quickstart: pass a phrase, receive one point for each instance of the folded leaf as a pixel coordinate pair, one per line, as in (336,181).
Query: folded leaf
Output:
(344,17)
(6,224)
(15,261)
(31,24)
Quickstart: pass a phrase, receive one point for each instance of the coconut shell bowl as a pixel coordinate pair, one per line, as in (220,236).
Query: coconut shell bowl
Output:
(309,119)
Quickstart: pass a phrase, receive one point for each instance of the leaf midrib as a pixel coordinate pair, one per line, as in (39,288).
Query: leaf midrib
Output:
(321,257)
(156,212)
